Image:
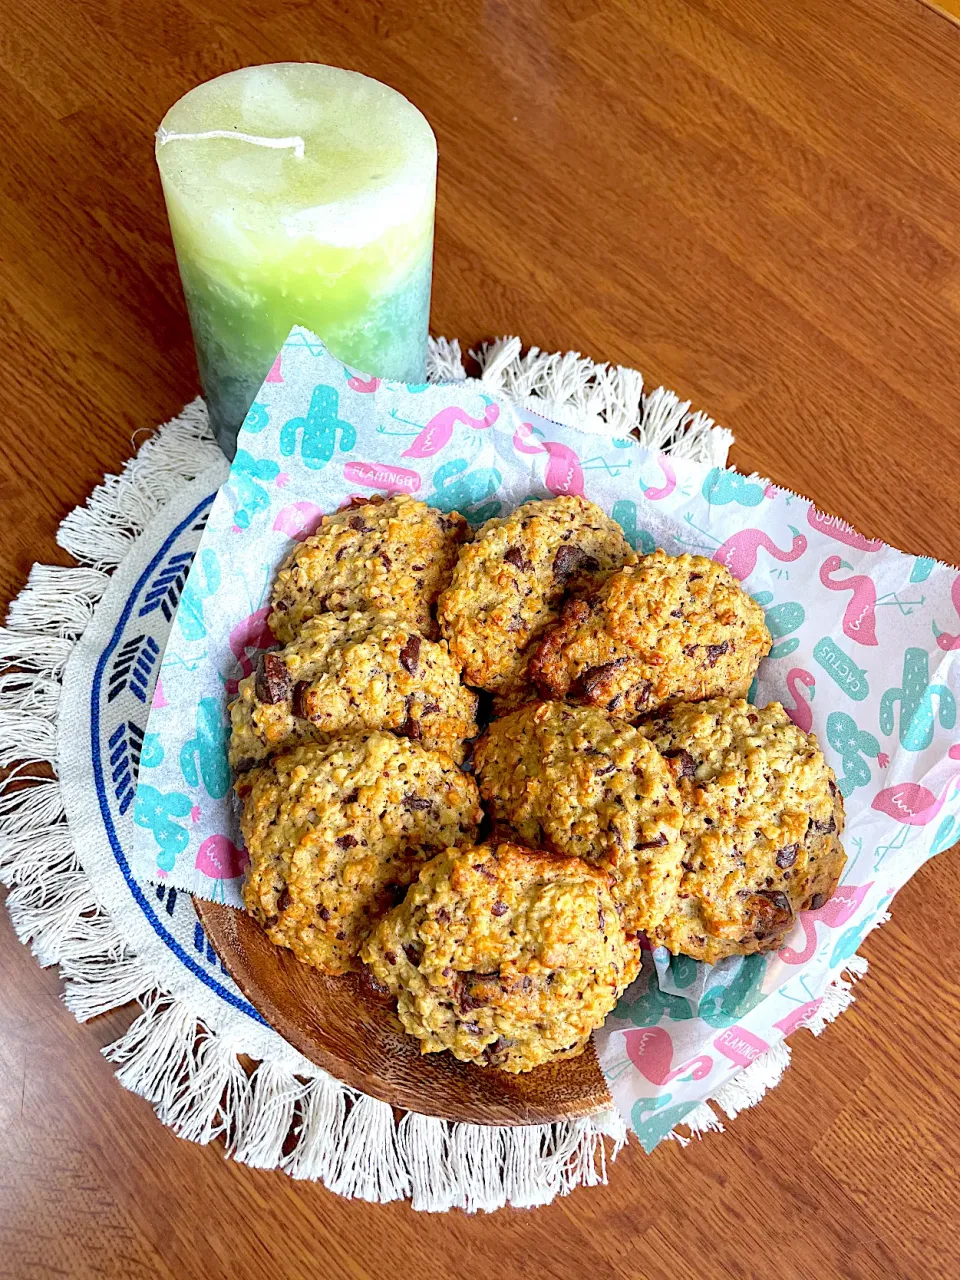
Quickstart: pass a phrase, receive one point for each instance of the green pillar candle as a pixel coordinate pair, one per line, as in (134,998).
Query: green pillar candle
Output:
(299,194)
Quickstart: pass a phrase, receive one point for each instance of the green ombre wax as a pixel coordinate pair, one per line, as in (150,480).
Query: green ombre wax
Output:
(299,194)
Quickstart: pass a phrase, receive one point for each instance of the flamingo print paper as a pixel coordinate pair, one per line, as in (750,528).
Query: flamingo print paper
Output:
(866,653)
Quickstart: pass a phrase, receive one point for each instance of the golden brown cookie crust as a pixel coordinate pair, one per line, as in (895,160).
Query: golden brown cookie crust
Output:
(666,629)
(335,833)
(504,956)
(509,582)
(386,555)
(578,781)
(762,821)
(347,674)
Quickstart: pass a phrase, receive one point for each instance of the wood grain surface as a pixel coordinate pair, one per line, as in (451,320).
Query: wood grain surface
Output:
(756,202)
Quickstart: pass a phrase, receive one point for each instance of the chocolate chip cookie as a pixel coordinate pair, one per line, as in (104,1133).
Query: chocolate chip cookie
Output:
(762,817)
(508,584)
(666,629)
(393,554)
(335,833)
(348,674)
(578,781)
(506,957)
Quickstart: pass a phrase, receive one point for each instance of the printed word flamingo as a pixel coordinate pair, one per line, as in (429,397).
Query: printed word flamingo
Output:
(801,713)
(910,802)
(944,640)
(860,615)
(834,913)
(564,474)
(650,1049)
(439,429)
(840,531)
(739,553)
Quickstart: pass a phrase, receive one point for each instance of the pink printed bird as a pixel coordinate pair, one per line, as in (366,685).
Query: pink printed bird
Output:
(912,803)
(650,1049)
(436,434)
(739,553)
(564,474)
(801,713)
(946,641)
(860,615)
(220,859)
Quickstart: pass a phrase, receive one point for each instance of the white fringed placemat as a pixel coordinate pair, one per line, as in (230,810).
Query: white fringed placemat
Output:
(81,647)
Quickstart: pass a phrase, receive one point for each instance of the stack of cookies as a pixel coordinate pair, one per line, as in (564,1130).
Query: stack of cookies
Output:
(623,788)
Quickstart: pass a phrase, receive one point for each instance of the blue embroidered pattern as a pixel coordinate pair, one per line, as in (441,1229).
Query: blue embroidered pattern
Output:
(164,591)
(126,743)
(133,667)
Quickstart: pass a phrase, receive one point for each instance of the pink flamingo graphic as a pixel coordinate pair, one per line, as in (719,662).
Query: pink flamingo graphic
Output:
(834,913)
(739,553)
(248,638)
(439,429)
(298,520)
(367,387)
(840,531)
(944,640)
(220,859)
(801,713)
(650,1049)
(860,615)
(913,804)
(670,477)
(276,371)
(158,696)
(563,475)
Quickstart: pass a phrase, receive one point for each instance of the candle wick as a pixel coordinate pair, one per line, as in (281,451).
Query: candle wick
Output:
(165,135)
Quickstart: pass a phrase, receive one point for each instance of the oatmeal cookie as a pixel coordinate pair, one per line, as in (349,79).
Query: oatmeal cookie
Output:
(384,554)
(349,674)
(762,817)
(505,956)
(335,833)
(666,629)
(577,781)
(509,583)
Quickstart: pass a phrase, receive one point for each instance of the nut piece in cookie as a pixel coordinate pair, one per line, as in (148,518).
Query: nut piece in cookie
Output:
(393,554)
(504,956)
(335,833)
(666,629)
(508,584)
(762,816)
(348,674)
(578,781)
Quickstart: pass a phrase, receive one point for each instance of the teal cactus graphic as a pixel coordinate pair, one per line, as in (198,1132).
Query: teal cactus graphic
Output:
(457,489)
(152,752)
(647,1007)
(319,430)
(257,419)
(247,476)
(852,744)
(155,811)
(922,568)
(625,513)
(781,620)
(651,1118)
(842,669)
(204,581)
(916,696)
(723,1005)
(208,749)
(721,487)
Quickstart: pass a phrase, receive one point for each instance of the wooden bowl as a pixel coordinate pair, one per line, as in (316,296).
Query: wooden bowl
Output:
(345,1028)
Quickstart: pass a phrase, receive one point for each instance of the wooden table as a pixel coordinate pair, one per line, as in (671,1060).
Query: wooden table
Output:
(756,202)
